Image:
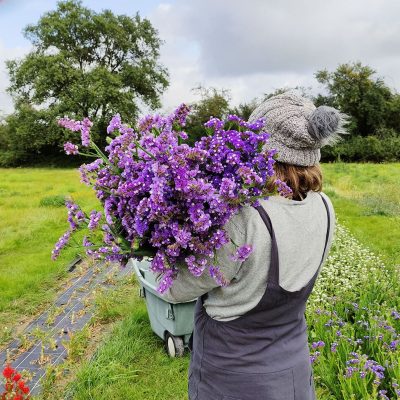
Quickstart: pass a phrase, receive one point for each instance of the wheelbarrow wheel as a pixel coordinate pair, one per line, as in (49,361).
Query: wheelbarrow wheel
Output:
(174,345)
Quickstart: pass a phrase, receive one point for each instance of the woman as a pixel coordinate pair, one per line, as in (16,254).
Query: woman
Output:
(250,337)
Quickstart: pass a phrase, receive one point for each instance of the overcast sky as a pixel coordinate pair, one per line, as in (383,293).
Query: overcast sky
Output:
(249,47)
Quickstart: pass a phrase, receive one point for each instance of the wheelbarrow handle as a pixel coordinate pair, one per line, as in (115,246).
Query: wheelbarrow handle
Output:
(140,276)
(148,286)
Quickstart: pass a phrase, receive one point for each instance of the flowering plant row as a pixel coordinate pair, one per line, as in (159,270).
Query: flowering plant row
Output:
(165,199)
(354,323)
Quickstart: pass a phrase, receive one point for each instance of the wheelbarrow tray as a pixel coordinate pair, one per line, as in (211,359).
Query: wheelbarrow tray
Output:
(166,318)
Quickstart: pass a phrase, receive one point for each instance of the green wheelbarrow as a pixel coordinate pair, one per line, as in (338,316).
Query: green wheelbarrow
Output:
(172,322)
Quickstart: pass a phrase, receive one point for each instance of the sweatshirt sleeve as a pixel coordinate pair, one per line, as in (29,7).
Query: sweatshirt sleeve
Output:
(187,287)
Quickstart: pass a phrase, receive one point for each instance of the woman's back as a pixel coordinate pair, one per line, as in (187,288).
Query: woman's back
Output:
(300,229)
(262,354)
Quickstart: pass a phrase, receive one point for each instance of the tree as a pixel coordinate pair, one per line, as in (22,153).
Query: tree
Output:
(213,103)
(88,64)
(31,135)
(355,90)
(244,110)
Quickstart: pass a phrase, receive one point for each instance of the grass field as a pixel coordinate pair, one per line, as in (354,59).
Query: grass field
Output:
(367,201)
(130,362)
(32,218)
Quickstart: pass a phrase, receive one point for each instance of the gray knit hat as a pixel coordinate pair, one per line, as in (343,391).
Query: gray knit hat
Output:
(298,129)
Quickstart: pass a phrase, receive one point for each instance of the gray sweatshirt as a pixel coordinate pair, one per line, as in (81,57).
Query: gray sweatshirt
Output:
(300,230)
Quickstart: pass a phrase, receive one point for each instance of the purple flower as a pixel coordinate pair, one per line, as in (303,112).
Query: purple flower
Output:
(94,219)
(70,124)
(350,371)
(316,345)
(83,126)
(395,314)
(158,264)
(353,361)
(166,281)
(86,242)
(141,225)
(85,131)
(234,118)
(115,123)
(314,357)
(242,253)
(375,368)
(382,394)
(88,171)
(182,236)
(196,267)
(62,242)
(216,273)
(283,188)
(180,114)
(214,123)
(162,195)
(76,216)
(394,344)
(70,148)
(227,188)
(395,385)
(95,165)
(218,239)
(256,125)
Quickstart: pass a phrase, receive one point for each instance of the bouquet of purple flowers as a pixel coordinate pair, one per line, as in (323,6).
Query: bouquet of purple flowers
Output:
(165,199)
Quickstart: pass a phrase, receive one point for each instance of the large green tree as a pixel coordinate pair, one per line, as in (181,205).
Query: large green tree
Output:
(356,90)
(87,64)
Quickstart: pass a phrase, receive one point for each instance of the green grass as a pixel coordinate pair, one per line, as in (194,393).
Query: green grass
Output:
(32,218)
(131,362)
(366,198)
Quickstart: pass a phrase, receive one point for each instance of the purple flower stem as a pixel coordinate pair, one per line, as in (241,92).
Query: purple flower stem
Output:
(143,149)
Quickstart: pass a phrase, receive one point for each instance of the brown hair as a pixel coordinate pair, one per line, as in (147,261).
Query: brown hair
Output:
(300,179)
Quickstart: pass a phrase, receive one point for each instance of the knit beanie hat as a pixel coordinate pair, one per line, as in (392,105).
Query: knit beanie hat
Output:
(298,129)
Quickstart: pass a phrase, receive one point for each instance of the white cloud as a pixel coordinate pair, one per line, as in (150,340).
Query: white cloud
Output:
(7,53)
(256,46)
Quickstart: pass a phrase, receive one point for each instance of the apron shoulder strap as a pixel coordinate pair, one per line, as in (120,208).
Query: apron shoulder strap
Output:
(273,272)
(328,229)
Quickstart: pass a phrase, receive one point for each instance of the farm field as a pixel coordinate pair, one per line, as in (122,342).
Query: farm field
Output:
(32,218)
(367,201)
(130,361)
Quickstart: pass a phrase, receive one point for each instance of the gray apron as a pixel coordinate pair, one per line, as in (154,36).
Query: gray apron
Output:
(263,354)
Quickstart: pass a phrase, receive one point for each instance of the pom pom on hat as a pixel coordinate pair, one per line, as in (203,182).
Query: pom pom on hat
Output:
(323,121)
(326,124)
